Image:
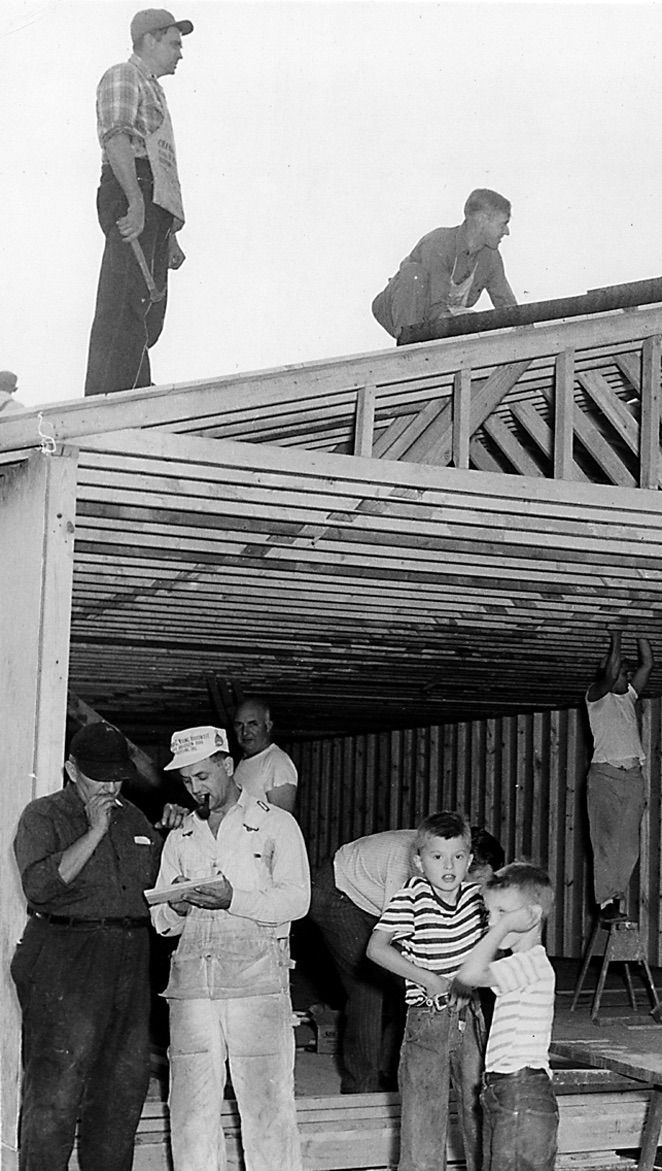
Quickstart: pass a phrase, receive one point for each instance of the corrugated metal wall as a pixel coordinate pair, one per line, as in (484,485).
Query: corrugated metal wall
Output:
(522,777)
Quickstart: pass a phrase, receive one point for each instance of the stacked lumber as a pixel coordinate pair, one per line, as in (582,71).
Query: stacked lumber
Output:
(600,1115)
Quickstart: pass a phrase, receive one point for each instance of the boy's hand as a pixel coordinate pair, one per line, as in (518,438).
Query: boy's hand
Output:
(434,984)
(521,920)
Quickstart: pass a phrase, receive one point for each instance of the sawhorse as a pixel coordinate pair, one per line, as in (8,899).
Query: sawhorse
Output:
(624,945)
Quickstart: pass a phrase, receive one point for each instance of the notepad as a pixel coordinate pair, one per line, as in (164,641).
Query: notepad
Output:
(166,894)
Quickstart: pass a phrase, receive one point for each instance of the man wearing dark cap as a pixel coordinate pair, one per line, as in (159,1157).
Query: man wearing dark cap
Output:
(139,204)
(81,969)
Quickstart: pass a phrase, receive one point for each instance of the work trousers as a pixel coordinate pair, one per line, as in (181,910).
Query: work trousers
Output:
(85,997)
(616,799)
(255,1036)
(520,1122)
(373,1014)
(439,1049)
(126,324)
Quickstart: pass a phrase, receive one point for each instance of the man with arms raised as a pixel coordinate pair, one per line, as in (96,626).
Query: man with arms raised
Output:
(228,991)
(264,771)
(139,204)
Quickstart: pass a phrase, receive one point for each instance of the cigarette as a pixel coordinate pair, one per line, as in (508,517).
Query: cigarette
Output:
(119,803)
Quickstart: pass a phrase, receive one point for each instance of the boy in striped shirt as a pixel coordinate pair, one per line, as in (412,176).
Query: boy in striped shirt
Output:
(520,1114)
(424,934)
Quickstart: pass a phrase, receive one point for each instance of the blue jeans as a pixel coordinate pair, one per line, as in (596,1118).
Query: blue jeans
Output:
(439,1048)
(520,1121)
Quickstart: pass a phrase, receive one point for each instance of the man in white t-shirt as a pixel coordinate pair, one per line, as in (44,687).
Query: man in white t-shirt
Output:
(615,787)
(265,771)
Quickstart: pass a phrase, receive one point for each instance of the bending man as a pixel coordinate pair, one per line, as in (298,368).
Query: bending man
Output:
(446,272)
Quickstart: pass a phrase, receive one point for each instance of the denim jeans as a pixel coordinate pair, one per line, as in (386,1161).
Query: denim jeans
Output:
(440,1048)
(254,1035)
(520,1122)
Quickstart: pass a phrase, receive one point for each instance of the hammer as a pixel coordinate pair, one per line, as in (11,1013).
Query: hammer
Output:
(154,293)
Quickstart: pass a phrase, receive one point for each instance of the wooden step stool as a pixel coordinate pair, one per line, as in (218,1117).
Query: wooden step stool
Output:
(623,944)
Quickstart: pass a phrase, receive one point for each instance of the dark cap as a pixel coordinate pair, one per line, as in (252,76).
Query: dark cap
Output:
(153,20)
(102,753)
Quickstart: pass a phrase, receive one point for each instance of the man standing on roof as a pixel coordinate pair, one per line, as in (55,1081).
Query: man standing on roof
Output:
(264,771)
(139,204)
(616,791)
(446,272)
(228,991)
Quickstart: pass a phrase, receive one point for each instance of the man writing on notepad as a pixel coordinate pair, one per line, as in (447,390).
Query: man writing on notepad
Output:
(228,991)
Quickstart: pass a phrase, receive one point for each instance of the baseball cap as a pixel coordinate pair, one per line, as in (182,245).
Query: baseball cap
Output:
(102,753)
(152,20)
(196,744)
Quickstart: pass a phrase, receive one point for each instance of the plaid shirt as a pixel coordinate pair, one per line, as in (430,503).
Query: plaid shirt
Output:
(129,101)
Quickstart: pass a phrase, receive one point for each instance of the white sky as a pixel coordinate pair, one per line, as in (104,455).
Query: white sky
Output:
(317,142)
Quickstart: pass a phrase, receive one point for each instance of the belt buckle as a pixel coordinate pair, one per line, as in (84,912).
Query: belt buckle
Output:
(438,1002)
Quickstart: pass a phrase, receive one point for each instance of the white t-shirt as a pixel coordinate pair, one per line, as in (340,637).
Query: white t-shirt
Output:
(369,870)
(613,720)
(266,770)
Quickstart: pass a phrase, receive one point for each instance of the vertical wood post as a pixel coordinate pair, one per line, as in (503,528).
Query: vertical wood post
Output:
(461,418)
(365,420)
(649,430)
(37,513)
(564,382)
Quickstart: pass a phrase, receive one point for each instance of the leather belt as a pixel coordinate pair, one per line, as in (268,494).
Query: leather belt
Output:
(71,921)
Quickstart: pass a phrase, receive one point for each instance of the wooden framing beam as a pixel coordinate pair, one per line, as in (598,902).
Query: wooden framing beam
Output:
(37,511)
(435,446)
(192,405)
(564,378)
(365,420)
(650,413)
(461,418)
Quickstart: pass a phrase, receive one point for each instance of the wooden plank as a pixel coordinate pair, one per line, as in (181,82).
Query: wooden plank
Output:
(481,458)
(37,509)
(352,474)
(461,418)
(563,414)
(168,404)
(649,476)
(542,434)
(601,451)
(612,407)
(365,420)
(397,441)
(435,445)
(507,442)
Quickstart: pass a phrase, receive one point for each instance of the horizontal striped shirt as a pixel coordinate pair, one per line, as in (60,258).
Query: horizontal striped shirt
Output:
(431,933)
(521,1027)
(129,101)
